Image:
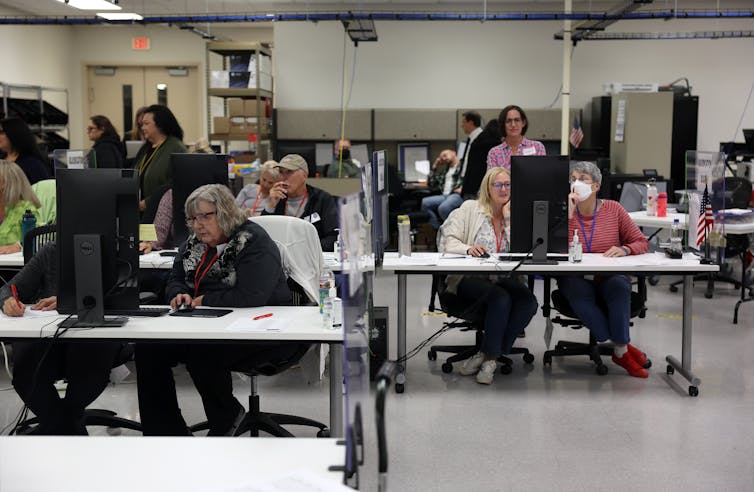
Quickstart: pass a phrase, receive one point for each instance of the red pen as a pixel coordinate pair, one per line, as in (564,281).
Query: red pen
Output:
(15,295)
(262,316)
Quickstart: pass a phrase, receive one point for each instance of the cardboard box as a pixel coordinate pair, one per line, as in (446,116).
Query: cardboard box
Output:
(250,107)
(235,107)
(237,125)
(221,124)
(219,79)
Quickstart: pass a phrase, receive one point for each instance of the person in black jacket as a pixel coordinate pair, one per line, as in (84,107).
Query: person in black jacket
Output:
(292,196)
(226,261)
(476,166)
(108,151)
(19,145)
(37,365)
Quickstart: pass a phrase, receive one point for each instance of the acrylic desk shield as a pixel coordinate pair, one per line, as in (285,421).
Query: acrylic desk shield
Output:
(705,182)
(353,291)
(74,159)
(380,234)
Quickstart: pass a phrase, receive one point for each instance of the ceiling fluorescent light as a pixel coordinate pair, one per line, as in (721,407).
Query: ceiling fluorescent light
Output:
(91,4)
(119,16)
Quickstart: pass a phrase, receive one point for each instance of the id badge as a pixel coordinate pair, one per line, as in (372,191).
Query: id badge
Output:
(313,218)
(529,151)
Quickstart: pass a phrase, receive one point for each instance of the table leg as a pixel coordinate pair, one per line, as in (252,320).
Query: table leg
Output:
(744,289)
(400,378)
(336,389)
(684,367)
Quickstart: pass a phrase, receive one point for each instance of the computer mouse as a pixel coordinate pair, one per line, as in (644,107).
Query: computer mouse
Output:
(484,255)
(184,308)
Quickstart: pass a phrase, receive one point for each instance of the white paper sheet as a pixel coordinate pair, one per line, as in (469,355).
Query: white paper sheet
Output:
(272,323)
(31,313)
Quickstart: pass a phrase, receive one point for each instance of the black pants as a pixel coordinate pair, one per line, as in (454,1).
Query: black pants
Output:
(209,366)
(86,366)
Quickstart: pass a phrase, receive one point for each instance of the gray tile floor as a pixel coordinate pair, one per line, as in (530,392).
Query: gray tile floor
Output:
(564,428)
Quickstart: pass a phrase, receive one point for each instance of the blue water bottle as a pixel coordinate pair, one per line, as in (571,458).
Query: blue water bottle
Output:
(28,222)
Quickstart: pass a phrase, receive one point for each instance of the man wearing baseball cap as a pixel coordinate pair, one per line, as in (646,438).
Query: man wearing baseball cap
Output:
(292,196)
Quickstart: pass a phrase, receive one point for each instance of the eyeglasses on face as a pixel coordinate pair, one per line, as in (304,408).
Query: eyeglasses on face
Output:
(513,121)
(91,128)
(201,218)
(500,186)
(584,178)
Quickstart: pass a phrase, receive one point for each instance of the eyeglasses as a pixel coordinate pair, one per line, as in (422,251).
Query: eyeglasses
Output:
(91,128)
(585,179)
(513,121)
(201,218)
(500,186)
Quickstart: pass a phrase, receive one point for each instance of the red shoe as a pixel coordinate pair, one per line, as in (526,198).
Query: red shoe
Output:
(631,366)
(637,355)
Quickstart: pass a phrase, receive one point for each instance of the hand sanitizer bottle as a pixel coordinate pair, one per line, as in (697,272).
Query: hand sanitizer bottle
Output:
(575,251)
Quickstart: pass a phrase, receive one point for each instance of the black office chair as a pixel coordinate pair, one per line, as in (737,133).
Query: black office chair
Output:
(295,239)
(737,195)
(470,319)
(36,238)
(592,349)
(406,202)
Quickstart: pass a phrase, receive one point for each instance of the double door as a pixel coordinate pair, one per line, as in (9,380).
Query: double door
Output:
(118,92)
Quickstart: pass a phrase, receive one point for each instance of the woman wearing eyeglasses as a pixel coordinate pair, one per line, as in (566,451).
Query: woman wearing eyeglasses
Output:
(108,151)
(227,261)
(481,228)
(513,125)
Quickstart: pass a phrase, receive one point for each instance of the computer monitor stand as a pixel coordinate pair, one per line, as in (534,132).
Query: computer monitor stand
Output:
(89,296)
(539,233)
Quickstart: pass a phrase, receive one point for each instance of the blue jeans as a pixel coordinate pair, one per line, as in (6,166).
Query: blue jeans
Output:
(615,291)
(510,306)
(439,207)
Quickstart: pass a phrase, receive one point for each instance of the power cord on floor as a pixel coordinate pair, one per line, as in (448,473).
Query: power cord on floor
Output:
(7,368)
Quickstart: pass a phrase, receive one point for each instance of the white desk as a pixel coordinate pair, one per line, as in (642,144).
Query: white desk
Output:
(303,325)
(592,263)
(641,219)
(129,464)
(147,261)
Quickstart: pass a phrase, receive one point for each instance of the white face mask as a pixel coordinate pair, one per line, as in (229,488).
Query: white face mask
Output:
(583,190)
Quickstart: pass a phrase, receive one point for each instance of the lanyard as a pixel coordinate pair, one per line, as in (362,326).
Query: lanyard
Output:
(254,209)
(199,276)
(588,242)
(299,205)
(499,239)
(146,162)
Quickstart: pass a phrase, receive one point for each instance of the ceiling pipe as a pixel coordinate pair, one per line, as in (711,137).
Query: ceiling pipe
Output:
(387,16)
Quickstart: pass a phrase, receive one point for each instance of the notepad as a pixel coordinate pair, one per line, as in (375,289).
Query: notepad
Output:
(147,232)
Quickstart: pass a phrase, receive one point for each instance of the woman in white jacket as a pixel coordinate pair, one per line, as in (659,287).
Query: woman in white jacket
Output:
(478,228)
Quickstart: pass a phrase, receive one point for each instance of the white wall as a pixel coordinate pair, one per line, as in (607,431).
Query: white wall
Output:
(472,64)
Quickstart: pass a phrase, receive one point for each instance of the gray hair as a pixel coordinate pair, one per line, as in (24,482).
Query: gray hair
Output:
(270,167)
(229,215)
(587,167)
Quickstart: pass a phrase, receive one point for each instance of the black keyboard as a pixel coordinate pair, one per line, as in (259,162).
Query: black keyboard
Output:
(142,311)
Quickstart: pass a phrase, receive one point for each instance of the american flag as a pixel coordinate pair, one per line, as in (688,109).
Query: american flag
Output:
(706,219)
(577,134)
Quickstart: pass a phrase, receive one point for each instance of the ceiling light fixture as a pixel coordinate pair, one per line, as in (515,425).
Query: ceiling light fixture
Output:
(119,16)
(91,4)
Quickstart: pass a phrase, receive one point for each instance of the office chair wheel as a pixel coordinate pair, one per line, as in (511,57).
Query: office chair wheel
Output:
(547,360)
(447,367)
(601,369)
(708,295)
(529,358)
(432,355)
(648,364)
(673,288)
(693,391)
(324,432)
(399,388)
(653,280)
(505,369)
(670,370)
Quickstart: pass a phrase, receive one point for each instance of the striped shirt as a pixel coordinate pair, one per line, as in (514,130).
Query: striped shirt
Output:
(500,156)
(613,227)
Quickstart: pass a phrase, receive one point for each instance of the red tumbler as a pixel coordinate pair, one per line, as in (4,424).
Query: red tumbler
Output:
(662,204)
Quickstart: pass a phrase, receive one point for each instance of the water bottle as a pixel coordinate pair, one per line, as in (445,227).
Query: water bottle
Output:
(676,238)
(28,222)
(326,282)
(327,313)
(651,197)
(662,204)
(404,235)
(575,250)
(330,319)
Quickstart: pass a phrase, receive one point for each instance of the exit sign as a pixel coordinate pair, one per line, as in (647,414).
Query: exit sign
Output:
(141,43)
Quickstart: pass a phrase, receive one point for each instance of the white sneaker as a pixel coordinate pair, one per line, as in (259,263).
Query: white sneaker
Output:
(487,372)
(471,365)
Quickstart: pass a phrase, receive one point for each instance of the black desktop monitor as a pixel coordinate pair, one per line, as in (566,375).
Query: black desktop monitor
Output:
(190,171)
(539,205)
(380,233)
(98,243)
(749,138)
(307,150)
